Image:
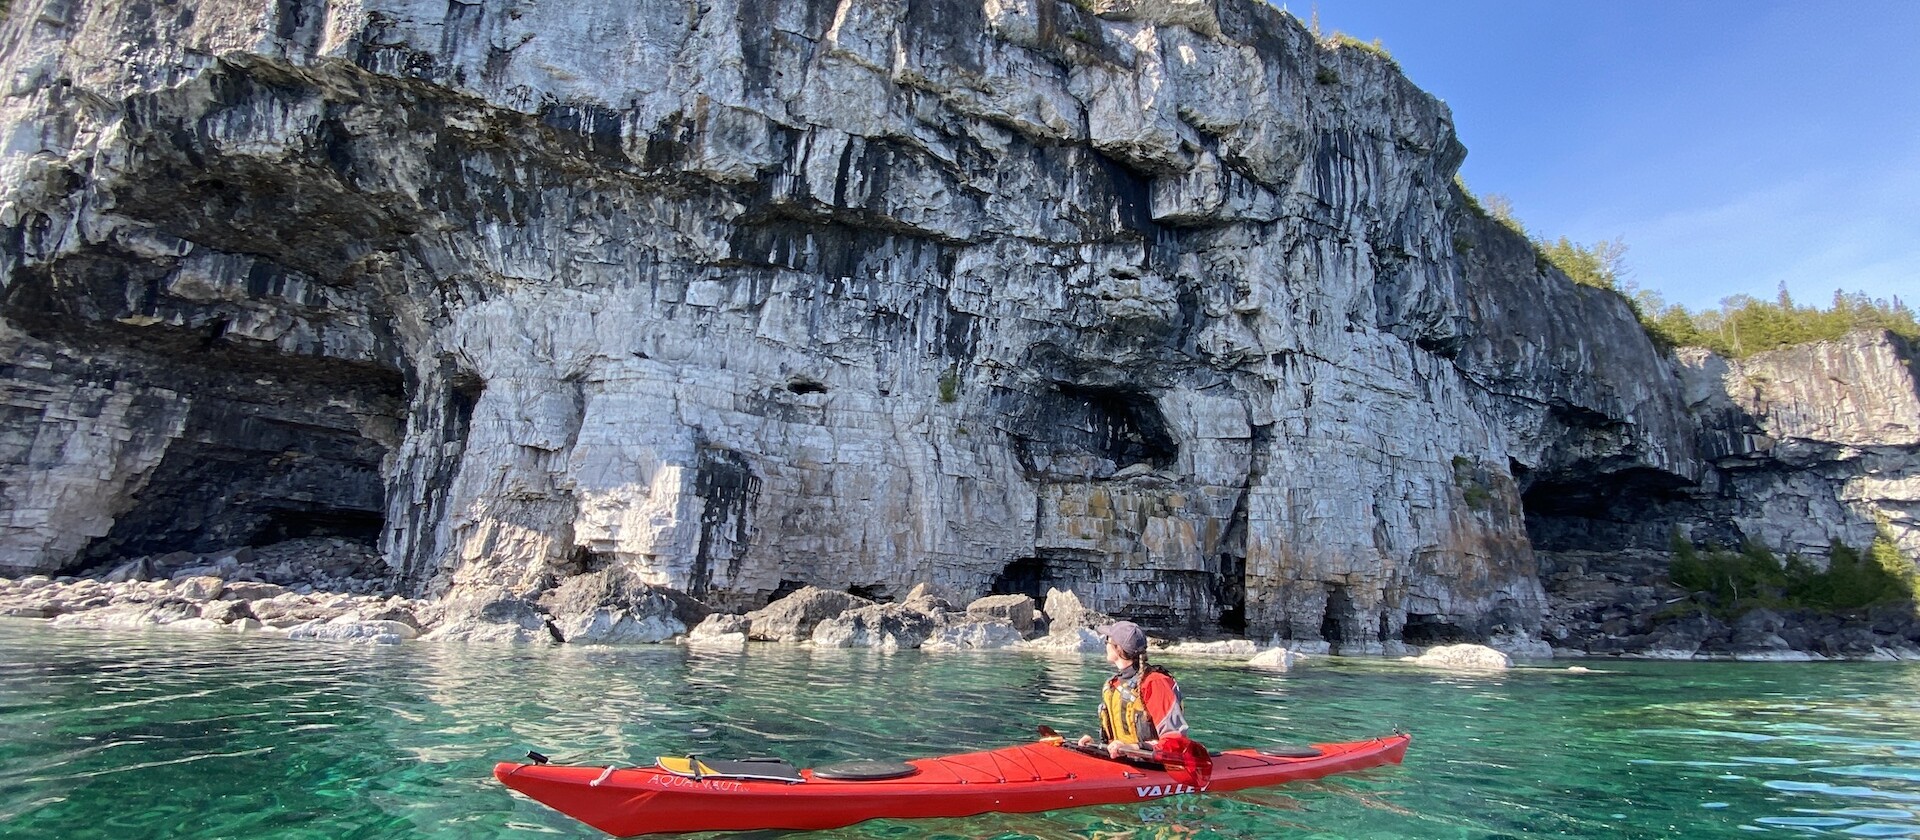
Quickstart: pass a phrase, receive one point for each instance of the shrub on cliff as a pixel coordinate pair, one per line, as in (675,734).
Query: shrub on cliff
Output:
(1735,582)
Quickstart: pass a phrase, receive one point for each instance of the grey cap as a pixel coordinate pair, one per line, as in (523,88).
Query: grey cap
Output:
(1127,636)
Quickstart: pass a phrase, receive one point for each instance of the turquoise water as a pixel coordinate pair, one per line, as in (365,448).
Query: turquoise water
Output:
(126,735)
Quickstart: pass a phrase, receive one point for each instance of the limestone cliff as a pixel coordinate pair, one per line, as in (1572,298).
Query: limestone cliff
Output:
(1164,301)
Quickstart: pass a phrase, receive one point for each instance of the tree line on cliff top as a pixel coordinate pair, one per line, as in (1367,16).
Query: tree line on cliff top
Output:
(1742,326)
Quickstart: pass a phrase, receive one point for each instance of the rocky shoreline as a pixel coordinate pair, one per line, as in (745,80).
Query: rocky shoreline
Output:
(334,590)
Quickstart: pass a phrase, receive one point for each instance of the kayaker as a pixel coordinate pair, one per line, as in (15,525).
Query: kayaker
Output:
(1141,704)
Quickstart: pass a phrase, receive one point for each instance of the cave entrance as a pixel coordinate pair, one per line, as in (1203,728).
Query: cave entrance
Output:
(1426,630)
(1339,618)
(1071,570)
(245,474)
(1025,576)
(1230,592)
(351,525)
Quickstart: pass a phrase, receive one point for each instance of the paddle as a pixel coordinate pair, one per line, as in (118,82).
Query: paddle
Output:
(1185,759)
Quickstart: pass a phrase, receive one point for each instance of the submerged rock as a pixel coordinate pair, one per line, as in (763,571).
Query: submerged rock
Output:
(1463,658)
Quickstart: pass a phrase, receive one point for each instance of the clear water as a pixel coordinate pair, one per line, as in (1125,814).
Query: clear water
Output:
(107,735)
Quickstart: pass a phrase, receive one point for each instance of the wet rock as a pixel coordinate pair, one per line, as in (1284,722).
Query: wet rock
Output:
(492,615)
(612,606)
(1275,659)
(1017,610)
(884,626)
(373,632)
(792,619)
(132,616)
(1222,649)
(974,635)
(1463,658)
(226,612)
(1081,640)
(720,630)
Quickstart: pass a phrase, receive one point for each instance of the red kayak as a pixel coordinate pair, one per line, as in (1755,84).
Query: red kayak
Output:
(1042,776)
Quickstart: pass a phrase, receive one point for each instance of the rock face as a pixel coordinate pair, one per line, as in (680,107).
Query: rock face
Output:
(1166,302)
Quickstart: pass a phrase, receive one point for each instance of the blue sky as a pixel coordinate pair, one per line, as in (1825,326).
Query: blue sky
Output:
(1732,145)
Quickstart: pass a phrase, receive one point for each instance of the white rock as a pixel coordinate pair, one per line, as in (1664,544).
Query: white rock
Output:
(377,632)
(1223,649)
(1275,659)
(619,627)
(974,635)
(1463,658)
(1080,640)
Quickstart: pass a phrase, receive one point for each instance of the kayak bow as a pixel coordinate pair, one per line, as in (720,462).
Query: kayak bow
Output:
(1041,776)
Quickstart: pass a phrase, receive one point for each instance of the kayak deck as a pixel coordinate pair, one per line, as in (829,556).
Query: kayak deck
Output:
(1025,778)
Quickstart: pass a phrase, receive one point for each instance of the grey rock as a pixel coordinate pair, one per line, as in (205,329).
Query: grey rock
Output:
(199,588)
(792,619)
(226,612)
(974,635)
(721,624)
(1017,610)
(1065,614)
(883,626)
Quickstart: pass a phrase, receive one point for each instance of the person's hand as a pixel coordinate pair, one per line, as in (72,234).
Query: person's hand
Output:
(1086,740)
(1113,749)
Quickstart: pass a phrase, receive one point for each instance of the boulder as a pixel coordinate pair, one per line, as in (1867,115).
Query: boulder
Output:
(1065,614)
(491,614)
(974,635)
(1016,610)
(792,619)
(131,615)
(200,588)
(250,590)
(137,569)
(1521,646)
(1463,658)
(226,612)
(884,626)
(1082,640)
(373,632)
(922,597)
(721,624)
(1275,659)
(612,606)
(1224,649)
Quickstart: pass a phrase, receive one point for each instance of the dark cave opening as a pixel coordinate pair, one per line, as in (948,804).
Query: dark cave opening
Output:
(1230,591)
(875,592)
(292,524)
(1024,576)
(1616,511)
(1424,630)
(1340,618)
